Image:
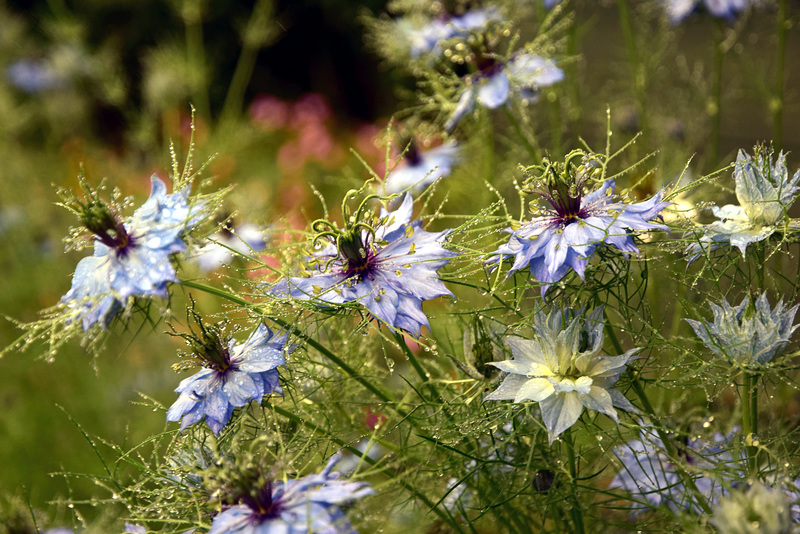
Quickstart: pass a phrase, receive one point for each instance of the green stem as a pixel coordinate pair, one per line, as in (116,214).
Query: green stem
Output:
(533,151)
(414,361)
(196,56)
(715,105)
(776,103)
(575,511)
(750,419)
(637,68)
(443,514)
(669,448)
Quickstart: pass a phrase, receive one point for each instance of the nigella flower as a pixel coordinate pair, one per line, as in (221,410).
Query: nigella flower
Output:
(421,169)
(563,369)
(747,335)
(390,268)
(765,193)
(295,506)
(523,74)
(235,374)
(727,9)
(649,475)
(428,37)
(131,258)
(576,222)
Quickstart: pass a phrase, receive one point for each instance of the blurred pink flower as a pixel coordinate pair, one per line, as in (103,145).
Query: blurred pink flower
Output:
(269,112)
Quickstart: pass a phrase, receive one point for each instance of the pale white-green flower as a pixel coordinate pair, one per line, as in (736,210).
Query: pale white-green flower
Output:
(765,191)
(759,510)
(563,369)
(747,335)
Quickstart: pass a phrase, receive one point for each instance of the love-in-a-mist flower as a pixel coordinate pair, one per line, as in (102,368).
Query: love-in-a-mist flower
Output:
(234,375)
(496,81)
(726,9)
(388,266)
(574,221)
(131,258)
(563,369)
(650,476)
(420,169)
(765,192)
(427,38)
(310,504)
(746,334)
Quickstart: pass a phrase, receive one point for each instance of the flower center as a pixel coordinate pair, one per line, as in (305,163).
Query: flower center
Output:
(262,503)
(355,251)
(107,227)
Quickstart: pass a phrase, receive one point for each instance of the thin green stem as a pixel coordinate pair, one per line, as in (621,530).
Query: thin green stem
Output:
(414,361)
(776,103)
(669,448)
(533,151)
(575,510)
(638,70)
(443,514)
(750,419)
(196,56)
(715,104)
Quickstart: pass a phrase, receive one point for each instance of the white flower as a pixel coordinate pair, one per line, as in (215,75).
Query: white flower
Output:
(563,370)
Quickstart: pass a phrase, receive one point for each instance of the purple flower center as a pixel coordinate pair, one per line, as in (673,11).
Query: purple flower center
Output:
(564,194)
(356,252)
(262,503)
(108,228)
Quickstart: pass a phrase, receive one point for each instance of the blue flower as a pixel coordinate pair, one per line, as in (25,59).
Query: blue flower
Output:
(427,38)
(131,259)
(234,375)
(727,9)
(574,225)
(33,76)
(389,269)
(745,335)
(765,193)
(296,506)
(563,369)
(524,74)
(648,473)
(421,169)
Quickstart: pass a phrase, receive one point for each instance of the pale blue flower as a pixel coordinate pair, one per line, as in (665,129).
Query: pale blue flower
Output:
(235,375)
(649,475)
(33,76)
(389,269)
(523,74)
(134,529)
(563,369)
(765,192)
(428,37)
(131,258)
(297,506)
(746,335)
(574,225)
(421,169)
(727,9)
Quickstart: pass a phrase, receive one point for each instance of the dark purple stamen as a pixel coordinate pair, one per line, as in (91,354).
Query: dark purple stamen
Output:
(262,504)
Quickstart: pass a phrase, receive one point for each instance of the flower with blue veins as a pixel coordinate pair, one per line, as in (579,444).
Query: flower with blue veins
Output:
(765,192)
(725,9)
(568,230)
(651,477)
(311,504)
(131,258)
(563,369)
(234,375)
(388,266)
(496,81)
(747,335)
(421,169)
